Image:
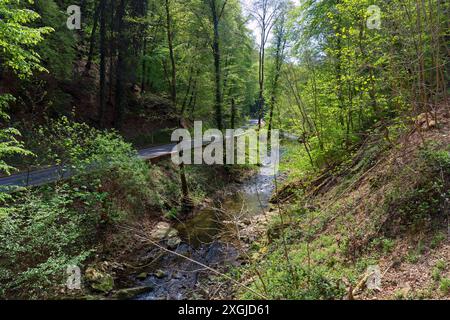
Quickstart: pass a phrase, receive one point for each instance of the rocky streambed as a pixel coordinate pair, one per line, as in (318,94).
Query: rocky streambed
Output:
(215,237)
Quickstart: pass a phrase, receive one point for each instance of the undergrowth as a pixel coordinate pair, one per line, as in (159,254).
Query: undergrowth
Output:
(45,229)
(320,246)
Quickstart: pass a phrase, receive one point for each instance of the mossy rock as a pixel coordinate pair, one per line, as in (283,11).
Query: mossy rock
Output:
(160,274)
(100,281)
(173,242)
(105,284)
(129,293)
(142,276)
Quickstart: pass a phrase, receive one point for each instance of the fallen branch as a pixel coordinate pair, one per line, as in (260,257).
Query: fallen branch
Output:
(147,239)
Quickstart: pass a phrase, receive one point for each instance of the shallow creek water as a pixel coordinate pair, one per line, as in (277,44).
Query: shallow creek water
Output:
(207,238)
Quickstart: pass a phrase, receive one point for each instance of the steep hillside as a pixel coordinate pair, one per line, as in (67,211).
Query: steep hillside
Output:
(388,208)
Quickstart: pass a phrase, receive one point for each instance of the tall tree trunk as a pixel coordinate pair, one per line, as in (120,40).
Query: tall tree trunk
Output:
(193,100)
(92,40)
(102,108)
(188,90)
(112,53)
(173,72)
(173,97)
(233,113)
(338,69)
(266,18)
(144,66)
(217,70)
(280,47)
(121,69)
(262,51)
(318,113)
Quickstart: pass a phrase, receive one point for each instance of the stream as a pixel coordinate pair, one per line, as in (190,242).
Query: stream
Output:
(210,238)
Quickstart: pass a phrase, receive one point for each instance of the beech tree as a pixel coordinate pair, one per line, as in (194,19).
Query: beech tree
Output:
(17,55)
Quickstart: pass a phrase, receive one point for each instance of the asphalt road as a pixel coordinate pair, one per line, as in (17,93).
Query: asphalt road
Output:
(55,173)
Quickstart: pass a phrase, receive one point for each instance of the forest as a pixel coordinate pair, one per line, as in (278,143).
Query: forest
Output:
(92,205)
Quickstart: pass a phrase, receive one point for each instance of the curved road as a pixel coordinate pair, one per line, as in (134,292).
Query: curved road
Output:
(55,173)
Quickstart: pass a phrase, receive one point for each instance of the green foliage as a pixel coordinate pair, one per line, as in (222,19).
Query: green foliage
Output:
(295,161)
(437,239)
(386,245)
(315,267)
(415,253)
(419,205)
(17,40)
(44,230)
(57,50)
(9,144)
(341,84)
(192,33)
(17,54)
(61,141)
(437,157)
(42,234)
(295,280)
(438,268)
(103,156)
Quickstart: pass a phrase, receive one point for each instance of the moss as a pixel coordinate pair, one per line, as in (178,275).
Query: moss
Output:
(104,284)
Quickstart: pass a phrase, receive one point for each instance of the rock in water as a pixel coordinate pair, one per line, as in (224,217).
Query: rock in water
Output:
(173,242)
(164,232)
(129,293)
(142,276)
(160,274)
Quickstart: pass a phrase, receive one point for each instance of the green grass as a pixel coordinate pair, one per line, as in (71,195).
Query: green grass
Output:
(444,286)
(438,269)
(437,239)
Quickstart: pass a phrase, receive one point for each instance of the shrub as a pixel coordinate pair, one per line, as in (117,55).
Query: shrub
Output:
(439,267)
(45,229)
(43,232)
(420,205)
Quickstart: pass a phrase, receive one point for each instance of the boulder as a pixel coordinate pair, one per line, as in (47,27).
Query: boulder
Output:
(161,231)
(173,242)
(426,121)
(164,232)
(99,280)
